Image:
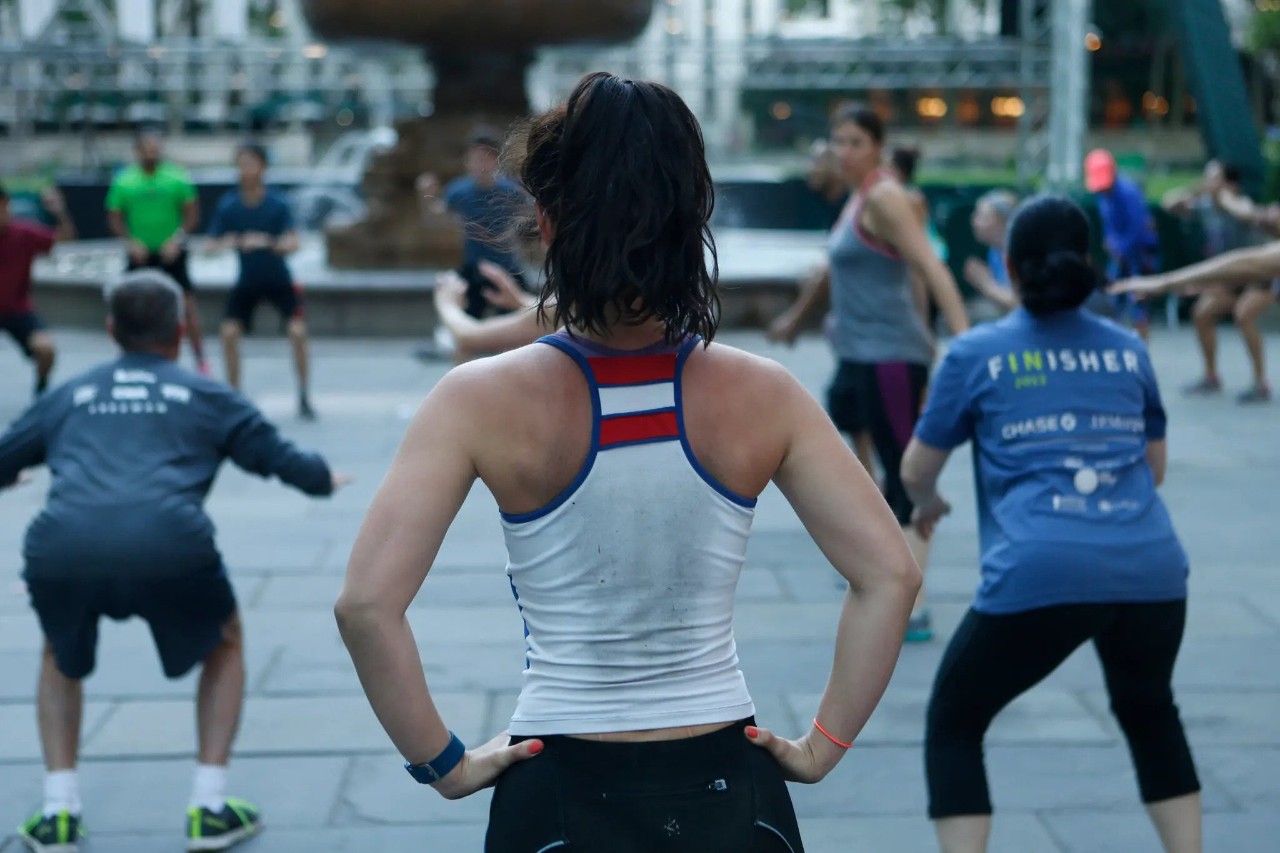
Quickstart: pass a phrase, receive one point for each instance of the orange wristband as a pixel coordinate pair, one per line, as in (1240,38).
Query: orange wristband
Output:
(829,737)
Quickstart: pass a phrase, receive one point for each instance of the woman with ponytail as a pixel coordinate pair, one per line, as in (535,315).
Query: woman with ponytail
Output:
(626,452)
(1068,437)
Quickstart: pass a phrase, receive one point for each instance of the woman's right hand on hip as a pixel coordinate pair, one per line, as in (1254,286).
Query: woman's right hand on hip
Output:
(807,760)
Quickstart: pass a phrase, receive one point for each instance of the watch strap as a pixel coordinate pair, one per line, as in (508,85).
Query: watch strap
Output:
(440,766)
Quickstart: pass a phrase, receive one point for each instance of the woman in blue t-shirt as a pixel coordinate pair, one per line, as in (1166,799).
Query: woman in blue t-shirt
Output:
(1068,437)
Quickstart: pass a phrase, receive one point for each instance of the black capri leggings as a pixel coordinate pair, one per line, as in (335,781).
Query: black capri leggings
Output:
(885,399)
(711,794)
(992,659)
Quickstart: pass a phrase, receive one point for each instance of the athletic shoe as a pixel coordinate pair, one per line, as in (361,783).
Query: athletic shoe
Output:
(57,834)
(208,830)
(919,628)
(305,412)
(1207,385)
(1256,394)
(202,367)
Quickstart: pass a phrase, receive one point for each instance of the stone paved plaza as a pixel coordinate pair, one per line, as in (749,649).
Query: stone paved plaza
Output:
(313,756)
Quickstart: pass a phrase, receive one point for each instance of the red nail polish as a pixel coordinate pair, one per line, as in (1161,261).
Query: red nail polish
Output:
(753,732)
(535,747)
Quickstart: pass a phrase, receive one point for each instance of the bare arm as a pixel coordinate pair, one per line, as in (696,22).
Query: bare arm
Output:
(978,275)
(393,553)
(116,224)
(190,216)
(849,520)
(57,206)
(1179,201)
(495,334)
(890,217)
(287,243)
(1242,266)
(815,290)
(1158,458)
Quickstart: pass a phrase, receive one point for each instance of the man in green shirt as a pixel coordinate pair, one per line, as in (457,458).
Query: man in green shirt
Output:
(152,206)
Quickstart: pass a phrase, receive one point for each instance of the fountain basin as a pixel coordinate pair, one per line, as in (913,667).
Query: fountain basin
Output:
(490,25)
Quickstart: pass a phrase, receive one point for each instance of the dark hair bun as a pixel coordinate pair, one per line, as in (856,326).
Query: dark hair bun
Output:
(1062,281)
(1048,250)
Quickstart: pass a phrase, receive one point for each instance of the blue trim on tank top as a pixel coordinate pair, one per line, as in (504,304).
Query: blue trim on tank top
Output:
(707,476)
(528,649)
(559,500)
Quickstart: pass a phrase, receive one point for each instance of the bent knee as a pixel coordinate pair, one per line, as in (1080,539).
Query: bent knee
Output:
(231,329)
(41,345)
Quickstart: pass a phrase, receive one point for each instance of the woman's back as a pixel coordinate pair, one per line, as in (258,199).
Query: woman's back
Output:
(1060,408)
(648,539)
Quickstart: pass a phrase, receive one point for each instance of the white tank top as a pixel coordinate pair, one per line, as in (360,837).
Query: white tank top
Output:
(626,579)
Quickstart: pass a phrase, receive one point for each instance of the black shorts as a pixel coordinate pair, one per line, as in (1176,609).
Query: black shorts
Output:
(884,399)
(477,284)
(711,794)
(284,296)
(186,616)
(21,327)
(176,270)
(844,400)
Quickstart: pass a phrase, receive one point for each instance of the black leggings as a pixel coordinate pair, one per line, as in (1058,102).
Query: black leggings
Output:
(711,794)
(992,659)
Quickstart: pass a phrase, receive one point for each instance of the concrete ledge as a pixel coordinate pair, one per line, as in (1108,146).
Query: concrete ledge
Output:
(758,275)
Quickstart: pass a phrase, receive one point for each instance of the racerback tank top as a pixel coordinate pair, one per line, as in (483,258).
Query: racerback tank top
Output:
(875,318)
(626,580)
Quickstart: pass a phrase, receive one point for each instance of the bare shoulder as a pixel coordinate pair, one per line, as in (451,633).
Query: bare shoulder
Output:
(494,380)
(888,193)
(754,381)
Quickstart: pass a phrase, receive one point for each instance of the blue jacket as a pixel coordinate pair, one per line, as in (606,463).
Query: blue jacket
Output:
(133,447)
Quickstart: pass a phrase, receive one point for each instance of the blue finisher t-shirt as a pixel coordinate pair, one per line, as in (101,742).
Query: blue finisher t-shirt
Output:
(271,217)
(1059,409)
(487,215)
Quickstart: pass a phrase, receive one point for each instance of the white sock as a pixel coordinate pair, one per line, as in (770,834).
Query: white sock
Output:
(62,793)
(209,790)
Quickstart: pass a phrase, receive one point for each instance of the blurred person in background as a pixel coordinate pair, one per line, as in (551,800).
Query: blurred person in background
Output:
(258,224)
(21,242)
(486,204)
(1128,235)
(990,225)
(882,343)
(1230,221)
(152,206)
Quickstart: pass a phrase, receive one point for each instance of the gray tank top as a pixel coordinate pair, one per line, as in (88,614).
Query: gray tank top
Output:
(874,314)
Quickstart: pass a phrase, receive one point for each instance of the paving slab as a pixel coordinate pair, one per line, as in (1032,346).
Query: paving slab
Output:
(328,778)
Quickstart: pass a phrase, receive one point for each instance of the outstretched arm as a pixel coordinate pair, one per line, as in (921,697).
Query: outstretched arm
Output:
(1242,266)
(22,446)
(813,292)
(254,444)
(495,334)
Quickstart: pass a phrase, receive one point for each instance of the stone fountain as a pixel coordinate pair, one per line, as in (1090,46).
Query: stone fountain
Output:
(480,50)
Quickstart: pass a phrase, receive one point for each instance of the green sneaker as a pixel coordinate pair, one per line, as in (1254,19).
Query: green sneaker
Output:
(208,830)
(919,628)
(58,834)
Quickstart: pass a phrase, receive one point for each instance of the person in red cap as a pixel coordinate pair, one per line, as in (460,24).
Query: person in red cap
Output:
(1128,233)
